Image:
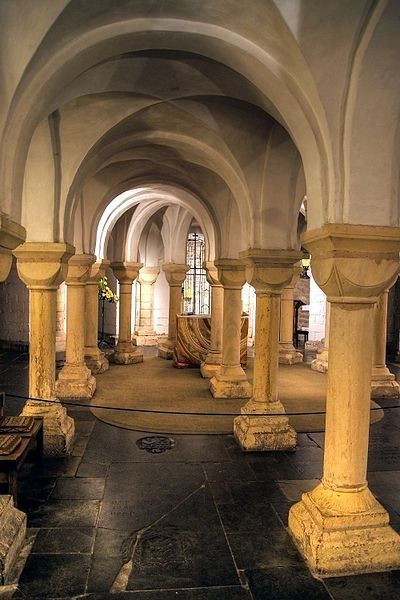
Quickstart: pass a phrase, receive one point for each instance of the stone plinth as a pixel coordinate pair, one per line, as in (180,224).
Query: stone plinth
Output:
(42,267)
(175,275)
(12,536)
(269,272)
(339,527)
(125,353)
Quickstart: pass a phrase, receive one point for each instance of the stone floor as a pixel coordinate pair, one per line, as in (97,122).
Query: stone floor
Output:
(201,521)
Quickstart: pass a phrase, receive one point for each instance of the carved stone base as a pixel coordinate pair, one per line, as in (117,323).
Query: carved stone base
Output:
(12,536)
(58,427)
(208,370)
(383,384)
(96,360)
(165,351)
(256,433)
(342,533)
(230,389)
(320,363)
(75,382)
(145,339)
(127,358)
(289,357)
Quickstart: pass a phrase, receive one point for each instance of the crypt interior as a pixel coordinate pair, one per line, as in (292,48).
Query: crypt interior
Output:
(199,299)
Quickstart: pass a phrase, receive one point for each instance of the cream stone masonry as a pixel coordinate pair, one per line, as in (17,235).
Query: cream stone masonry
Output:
(231,380)
(42,267)
(288,355)
(75,379)
(95,359)
(383,383)
(175,275)
(126,273)
(320,362)
(12,520)
(269,272)
(145,334)
(339,527)
(210,367)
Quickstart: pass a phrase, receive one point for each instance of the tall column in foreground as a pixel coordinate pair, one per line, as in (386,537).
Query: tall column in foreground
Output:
(231,381)
(75,380)
(339,527)
(288,355)
(212,363)
(126,273)
(95,359)
(269,272)
(42,267)
(383,383)
(145,334)
(175,275)
(12,520)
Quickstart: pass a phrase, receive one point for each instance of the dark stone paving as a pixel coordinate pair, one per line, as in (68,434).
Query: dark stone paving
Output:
(202,521)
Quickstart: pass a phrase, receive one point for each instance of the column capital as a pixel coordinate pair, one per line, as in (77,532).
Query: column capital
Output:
(43,264)
(231,273)
(212,273)
(79,268)
(353,263)
(97,271)
(270,271)
(126,272)
(175,273)
(11,235)
(148,275)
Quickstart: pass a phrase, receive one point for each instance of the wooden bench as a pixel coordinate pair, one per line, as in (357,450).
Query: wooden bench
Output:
(10,464)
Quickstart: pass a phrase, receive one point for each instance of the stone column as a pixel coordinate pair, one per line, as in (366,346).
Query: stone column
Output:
(320,362)
(231,381)
(339,527)
(145,334)
(95,359)
(75,379)
(288,355)
(269,272)
(12,520)
(126,273)
(383,383)
(42,267)
(175,275)
(212,363)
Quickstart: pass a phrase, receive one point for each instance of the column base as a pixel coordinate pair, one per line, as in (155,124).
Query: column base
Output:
(264,433)
(230,382)
(12,536)
(96,361)
(145,339)
(320,363)
(58,427)
(209,370)
(75,382)
(126,354)
(343,533)
(288,355)
(383,384)
(165,351)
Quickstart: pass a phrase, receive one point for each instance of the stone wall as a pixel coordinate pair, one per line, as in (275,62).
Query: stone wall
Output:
(14,311)
(161,304)
(317,311)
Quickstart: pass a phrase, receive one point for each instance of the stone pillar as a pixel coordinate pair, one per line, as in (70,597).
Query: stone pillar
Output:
(269,272)
(231,381)
(383,383)
(126,273)
(212,363)
(320,362)
(339,527)
(12,520)
(175,275)
(75,379)
(42,267)
(145,334)
(288,355)
(95,359)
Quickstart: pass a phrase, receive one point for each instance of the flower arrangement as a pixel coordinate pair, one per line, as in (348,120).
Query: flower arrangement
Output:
(105,292)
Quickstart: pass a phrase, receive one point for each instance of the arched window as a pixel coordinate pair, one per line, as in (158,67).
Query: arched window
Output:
(196,289)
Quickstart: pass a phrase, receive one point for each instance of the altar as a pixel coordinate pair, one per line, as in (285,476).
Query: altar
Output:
(193,340)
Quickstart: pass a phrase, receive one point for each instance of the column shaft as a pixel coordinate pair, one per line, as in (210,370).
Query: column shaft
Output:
(383,384)
(212,363)
(95,359)
(265,376)
(42,343)
(125,353)
(288,354)
(175,275)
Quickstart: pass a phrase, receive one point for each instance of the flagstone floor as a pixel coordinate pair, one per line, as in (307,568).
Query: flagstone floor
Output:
(201,521)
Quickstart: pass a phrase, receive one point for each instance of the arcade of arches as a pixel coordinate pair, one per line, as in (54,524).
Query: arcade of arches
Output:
(269,131)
